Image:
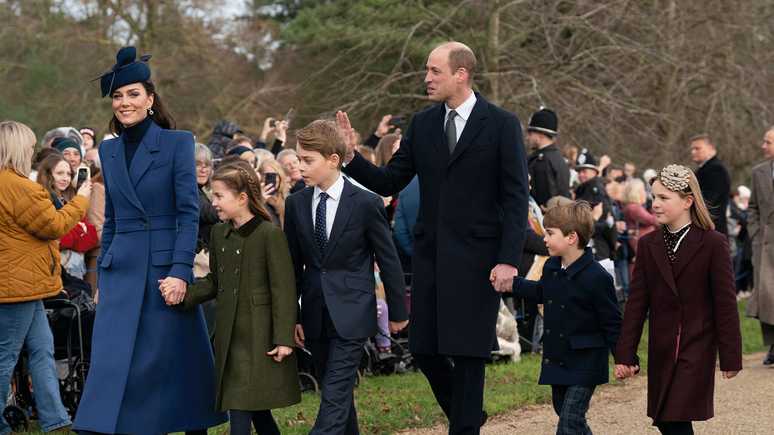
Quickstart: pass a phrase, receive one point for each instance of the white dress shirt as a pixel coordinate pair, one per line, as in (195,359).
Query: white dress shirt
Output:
(463,113)
(331,204)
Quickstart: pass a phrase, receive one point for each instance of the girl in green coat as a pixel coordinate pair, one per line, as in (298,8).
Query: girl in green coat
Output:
(252,278)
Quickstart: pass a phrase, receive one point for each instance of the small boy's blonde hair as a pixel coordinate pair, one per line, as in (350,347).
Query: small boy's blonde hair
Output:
(324,137)
(569,216)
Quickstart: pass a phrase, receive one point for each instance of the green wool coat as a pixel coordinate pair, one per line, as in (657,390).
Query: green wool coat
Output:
(251,275)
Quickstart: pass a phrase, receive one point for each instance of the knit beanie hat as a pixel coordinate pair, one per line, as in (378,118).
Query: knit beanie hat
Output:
(62,143)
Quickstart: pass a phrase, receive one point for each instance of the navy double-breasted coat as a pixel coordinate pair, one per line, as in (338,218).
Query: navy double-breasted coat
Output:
(582,320)
(472,216)
(152,368)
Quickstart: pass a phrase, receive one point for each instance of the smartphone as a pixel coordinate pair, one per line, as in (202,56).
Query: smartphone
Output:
(83,175)
(289,115)
(287,119)
(270,178)
(397,120)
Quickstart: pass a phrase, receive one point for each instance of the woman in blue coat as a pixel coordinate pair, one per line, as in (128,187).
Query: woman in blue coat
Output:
(152,369)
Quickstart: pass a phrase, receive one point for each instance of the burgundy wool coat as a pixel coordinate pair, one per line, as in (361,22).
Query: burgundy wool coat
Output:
(693,317)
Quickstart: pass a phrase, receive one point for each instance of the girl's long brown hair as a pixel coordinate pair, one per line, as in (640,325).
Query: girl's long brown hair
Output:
(46,180)
(240,177)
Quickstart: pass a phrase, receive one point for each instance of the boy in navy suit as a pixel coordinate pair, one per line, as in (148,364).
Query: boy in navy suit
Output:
(582,317)
(335,230)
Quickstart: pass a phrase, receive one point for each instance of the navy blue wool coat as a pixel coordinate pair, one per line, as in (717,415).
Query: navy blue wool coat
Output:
(581,317)
(152,368)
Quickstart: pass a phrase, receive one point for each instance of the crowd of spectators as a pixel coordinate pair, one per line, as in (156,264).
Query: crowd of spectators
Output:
(619,198)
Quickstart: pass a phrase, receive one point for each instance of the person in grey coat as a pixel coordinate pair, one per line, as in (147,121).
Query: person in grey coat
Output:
(759,213)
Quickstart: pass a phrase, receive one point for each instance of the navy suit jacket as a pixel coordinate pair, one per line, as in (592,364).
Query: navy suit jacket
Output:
(472,215)
(582,320)
(343,279)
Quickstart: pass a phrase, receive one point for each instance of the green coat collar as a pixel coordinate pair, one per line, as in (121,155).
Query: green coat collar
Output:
(245,229)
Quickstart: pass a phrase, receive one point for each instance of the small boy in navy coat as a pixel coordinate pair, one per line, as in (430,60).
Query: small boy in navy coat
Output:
(334,231)
(581,314)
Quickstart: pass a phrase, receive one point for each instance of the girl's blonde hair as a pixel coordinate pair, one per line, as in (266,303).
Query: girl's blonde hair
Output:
(631,193)
(240,177)
(700,216)
(16,143)
(282,188)
(46,178)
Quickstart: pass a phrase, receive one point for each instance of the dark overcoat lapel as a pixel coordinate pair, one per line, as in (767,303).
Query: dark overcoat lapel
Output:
(437,132)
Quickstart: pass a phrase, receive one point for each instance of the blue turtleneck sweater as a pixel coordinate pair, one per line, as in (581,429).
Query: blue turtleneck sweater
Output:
(133,136)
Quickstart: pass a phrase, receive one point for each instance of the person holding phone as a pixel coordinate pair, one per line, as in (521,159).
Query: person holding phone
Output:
(55,175)
(275,189)
(29,227)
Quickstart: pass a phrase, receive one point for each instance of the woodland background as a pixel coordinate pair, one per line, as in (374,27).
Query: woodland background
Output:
(634,79)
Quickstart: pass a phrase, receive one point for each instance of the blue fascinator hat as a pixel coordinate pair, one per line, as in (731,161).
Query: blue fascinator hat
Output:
(128,70)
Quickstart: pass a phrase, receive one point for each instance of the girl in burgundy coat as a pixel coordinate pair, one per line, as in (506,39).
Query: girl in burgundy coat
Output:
(683,275)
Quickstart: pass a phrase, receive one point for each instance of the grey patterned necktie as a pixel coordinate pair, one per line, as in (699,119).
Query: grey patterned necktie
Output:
(451,132)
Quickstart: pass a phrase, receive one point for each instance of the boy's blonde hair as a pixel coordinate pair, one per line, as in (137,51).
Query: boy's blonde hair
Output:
(324,137)
(16,143)
(569,216)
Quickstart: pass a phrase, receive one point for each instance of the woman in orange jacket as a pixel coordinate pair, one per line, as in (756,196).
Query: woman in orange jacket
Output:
(29,271)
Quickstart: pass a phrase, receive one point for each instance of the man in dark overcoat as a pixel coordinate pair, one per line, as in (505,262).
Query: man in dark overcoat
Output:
(549,171)
(471,161)
(713,178)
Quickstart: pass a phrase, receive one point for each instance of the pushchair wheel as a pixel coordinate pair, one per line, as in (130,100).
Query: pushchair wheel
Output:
(308,383)
(17,418)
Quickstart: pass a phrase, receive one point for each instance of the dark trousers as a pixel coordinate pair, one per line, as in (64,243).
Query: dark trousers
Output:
(571,403)
(458,385)
(263,422)
(768,334)
(336,360)
(675,428)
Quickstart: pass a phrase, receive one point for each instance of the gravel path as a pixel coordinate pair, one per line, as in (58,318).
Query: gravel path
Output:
(743,405)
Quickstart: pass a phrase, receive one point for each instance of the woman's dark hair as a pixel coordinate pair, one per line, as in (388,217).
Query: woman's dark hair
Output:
(162,114)
(240,177)
(41,155)
(46,179)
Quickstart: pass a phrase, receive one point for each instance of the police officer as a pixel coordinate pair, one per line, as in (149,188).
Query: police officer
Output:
(548,169)
(592,190)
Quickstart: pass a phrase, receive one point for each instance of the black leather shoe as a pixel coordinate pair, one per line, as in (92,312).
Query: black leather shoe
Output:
(484,416)
(769,359)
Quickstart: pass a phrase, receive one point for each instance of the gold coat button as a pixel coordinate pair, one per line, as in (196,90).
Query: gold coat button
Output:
(561,306)
(235,291)
(545,361)
(555,273)
(550,302)
(223,249)
(238,252)
(561,335)
(548,332)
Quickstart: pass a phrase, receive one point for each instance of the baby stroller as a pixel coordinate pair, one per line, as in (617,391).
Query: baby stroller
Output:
(307,374)
(383,363)
(71,366)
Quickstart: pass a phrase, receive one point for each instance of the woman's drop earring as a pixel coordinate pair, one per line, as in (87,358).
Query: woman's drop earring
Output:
(150,111)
